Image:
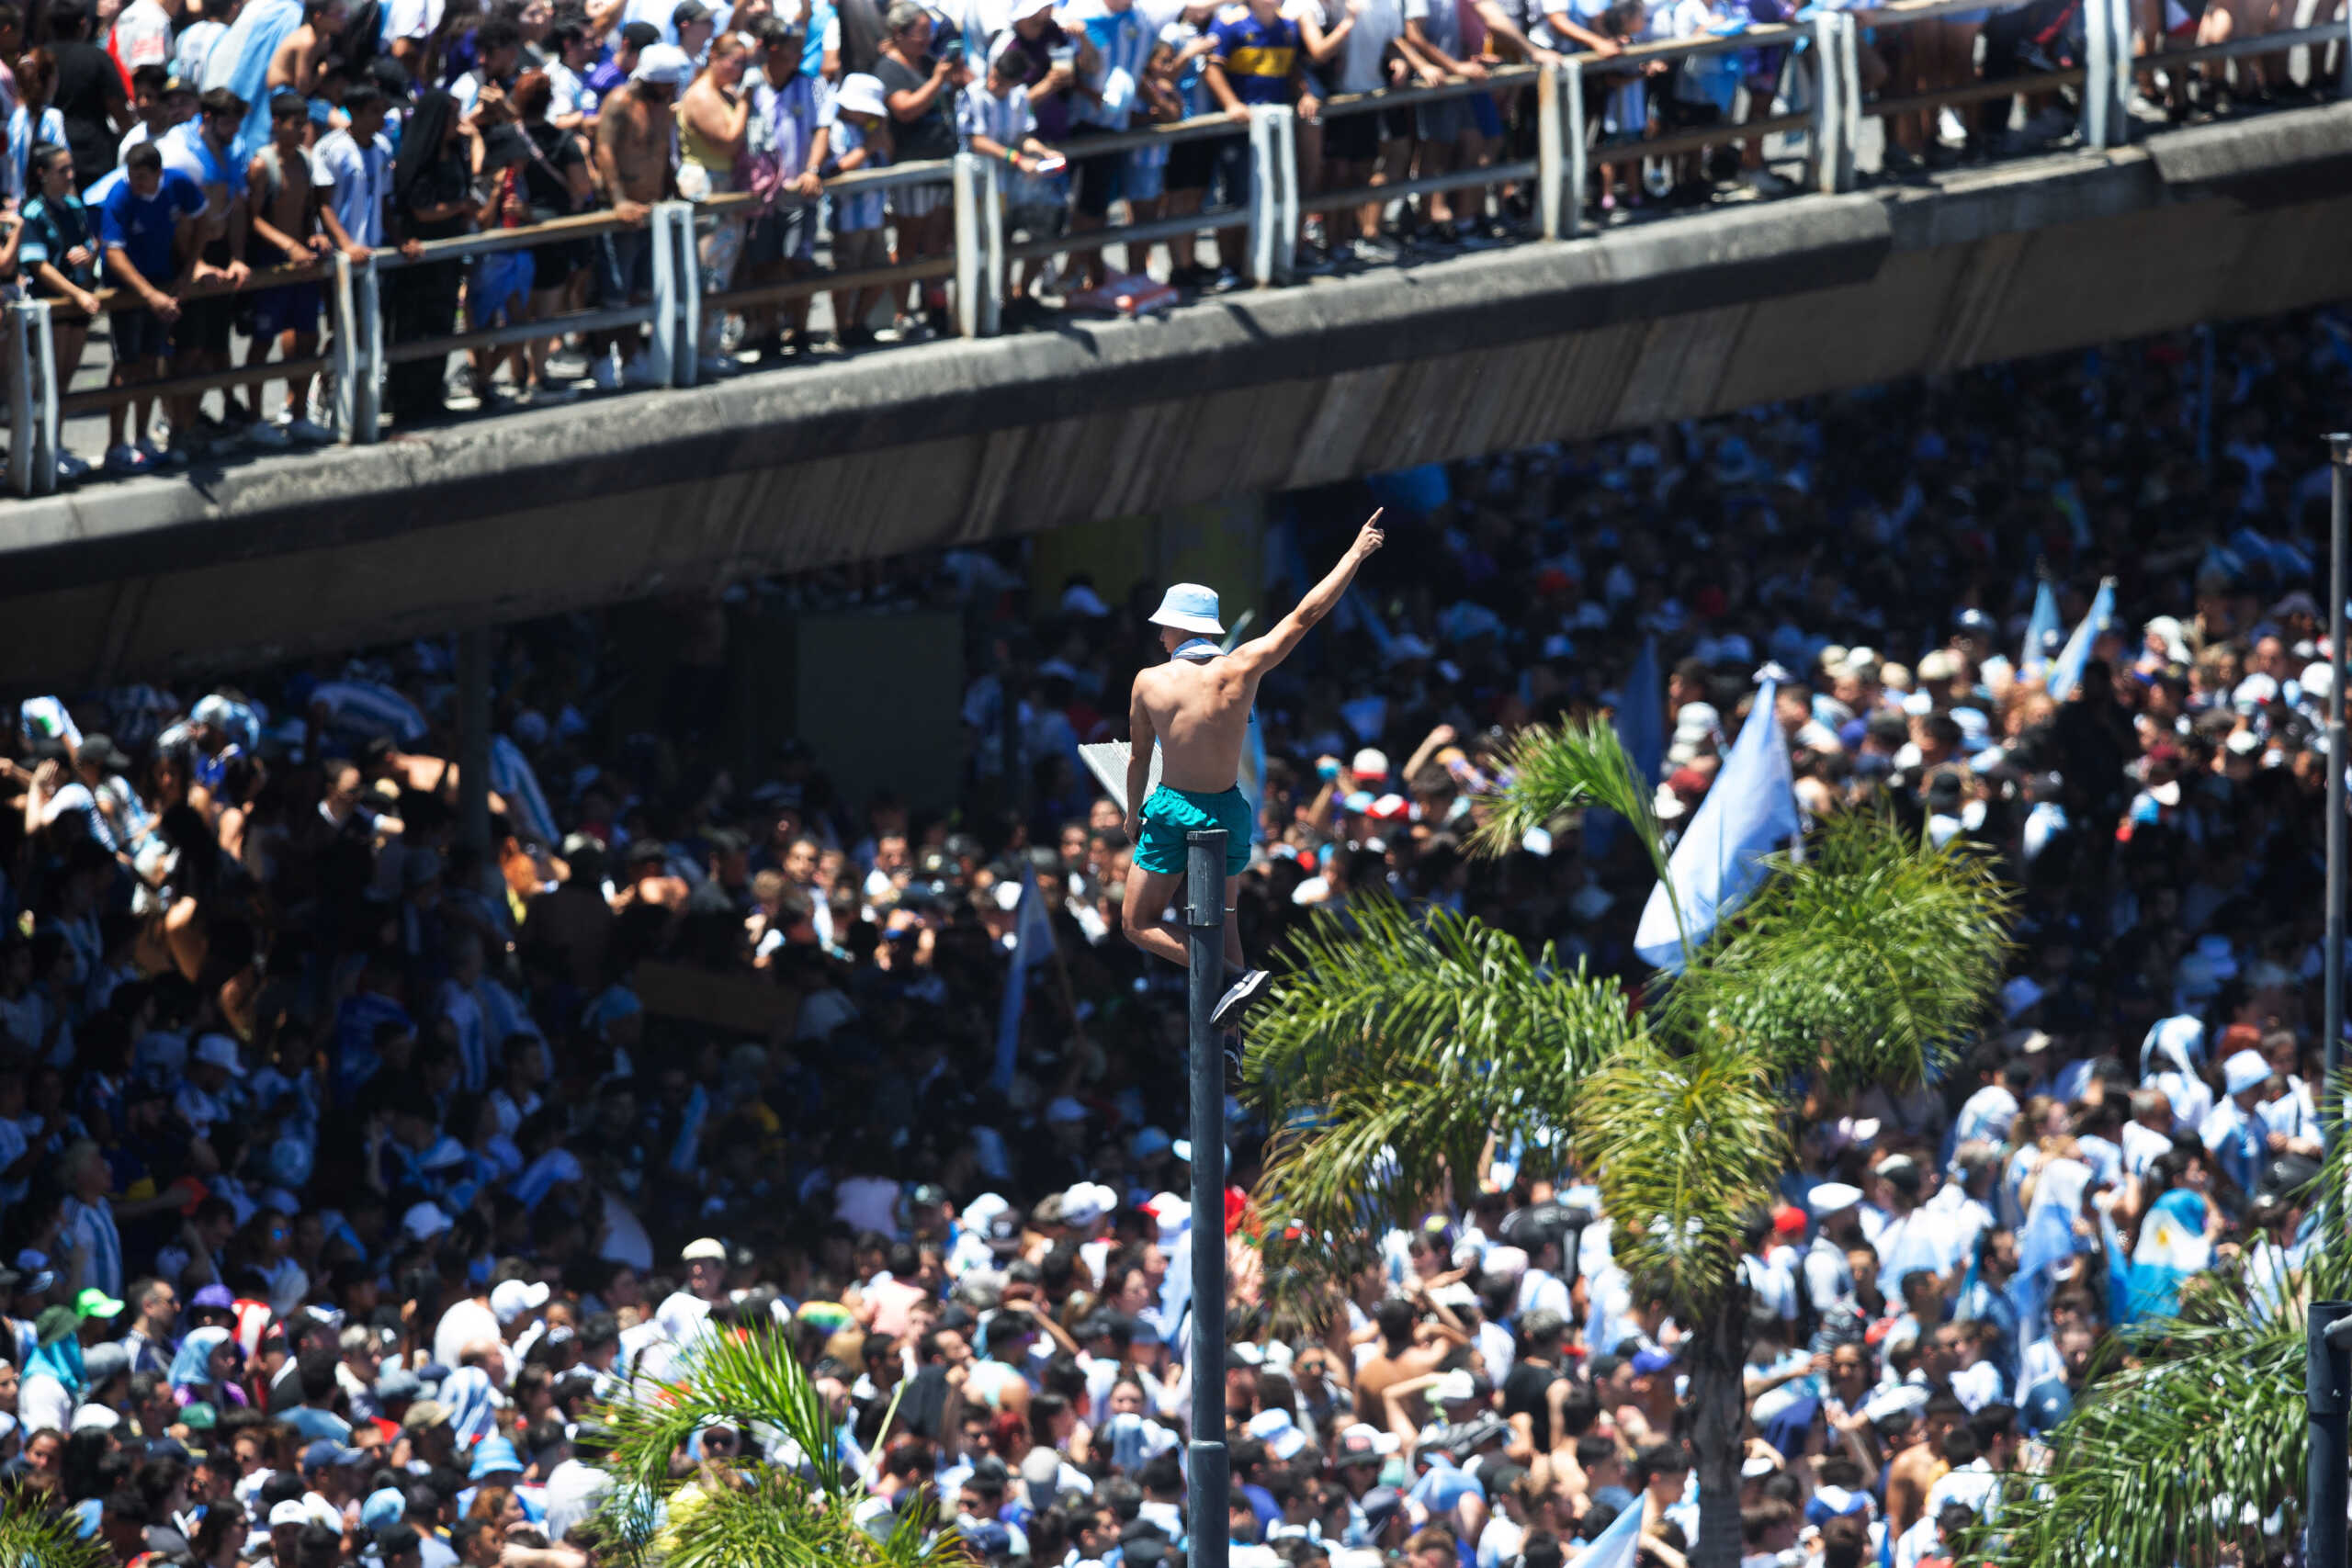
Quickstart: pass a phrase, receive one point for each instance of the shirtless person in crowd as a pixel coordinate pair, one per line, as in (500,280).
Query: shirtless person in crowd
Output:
(634,128)
(1197,706)
(296,63)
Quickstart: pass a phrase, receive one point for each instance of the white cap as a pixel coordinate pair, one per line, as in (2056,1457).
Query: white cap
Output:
(424,1221)
(289,1512)
(1832,1196)
(704,1249)
(1457,1385)
(1370,763)
(1362,1436)
(860,94)
(664,64)
(1087,1202)
(219,1051)
(2244,1071)
(95,1419)
(513,1298)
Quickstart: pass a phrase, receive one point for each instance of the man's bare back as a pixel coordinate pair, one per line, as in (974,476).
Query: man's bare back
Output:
(1201,714)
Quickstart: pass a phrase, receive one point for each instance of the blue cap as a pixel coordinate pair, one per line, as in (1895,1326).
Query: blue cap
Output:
(326,1453)
(493,1456)
(382,1509)
(1189,607)
(1648,1363)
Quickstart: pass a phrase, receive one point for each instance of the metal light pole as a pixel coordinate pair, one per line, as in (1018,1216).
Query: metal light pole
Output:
(2327,1397)
(2339,450)
(1209,1485)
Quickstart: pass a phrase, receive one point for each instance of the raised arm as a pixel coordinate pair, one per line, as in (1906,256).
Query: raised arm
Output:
(1262,654)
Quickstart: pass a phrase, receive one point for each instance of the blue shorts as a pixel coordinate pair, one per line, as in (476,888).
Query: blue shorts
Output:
(141,337)
(501,278)
(1170,814)
(292,307)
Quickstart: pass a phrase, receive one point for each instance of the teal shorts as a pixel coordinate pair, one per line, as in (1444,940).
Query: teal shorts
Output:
(1170,814)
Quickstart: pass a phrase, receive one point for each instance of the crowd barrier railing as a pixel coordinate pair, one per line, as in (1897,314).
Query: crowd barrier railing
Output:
(1819,74)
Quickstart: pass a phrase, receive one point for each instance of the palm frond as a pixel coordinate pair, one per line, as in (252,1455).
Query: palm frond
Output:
(2192,1452)
(1865,957)
(1549,768)
(1399,1042)
(798,1515)
(1683,1148)
(34,1537)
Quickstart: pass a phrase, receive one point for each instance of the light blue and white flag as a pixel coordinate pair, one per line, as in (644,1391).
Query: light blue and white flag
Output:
(2038,628)
(2067,674)
(1750,812)
(1619,1544)
(1033,944)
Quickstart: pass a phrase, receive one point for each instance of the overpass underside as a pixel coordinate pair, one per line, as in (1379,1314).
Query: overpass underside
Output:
(958,442)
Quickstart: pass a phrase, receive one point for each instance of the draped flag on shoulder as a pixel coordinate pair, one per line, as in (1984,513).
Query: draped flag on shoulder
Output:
(1619,1544)
(1750,812)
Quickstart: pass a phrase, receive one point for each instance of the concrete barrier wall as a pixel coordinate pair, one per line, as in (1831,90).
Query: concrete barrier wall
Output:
(965,441)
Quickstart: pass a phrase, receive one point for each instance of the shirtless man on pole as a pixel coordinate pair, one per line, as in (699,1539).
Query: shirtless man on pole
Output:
(1197,706)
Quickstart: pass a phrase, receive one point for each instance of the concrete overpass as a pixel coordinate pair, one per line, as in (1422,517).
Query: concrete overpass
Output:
(922,447)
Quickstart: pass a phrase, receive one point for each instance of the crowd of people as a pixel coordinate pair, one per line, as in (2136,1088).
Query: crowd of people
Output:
(347,1165)
(161,153)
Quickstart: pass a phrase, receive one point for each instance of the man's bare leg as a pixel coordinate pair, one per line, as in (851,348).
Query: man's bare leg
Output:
(1147,896)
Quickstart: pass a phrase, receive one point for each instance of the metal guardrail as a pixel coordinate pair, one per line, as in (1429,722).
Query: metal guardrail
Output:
(1270,213)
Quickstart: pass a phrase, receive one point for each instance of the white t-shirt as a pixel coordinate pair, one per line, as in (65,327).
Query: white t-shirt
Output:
(468,1322)
(43,1401)
(411,18)
(142,35)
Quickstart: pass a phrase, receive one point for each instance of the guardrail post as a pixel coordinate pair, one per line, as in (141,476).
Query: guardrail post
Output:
(2124,76)
(685,356)
(1579,151)
(1264,207)
(346,317)
(993,273)
(974,256)
(2098,73)
(368,377)
(1833,159)
(1285,129)
(2344,60)
(20,397)
(1551,175)
(45,400)
(661,342)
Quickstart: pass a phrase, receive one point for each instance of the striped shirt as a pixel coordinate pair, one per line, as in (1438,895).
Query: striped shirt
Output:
(1124,42)
(1007,121)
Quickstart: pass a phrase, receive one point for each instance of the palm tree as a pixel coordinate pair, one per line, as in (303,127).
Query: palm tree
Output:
(1400,1043)
(796,1512)
(2188,1445)
(34,1534)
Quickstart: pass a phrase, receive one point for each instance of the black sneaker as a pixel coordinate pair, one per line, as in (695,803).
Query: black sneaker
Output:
(1235,1082)
(1238,996)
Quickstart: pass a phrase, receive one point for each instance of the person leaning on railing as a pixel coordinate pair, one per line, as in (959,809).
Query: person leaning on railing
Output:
(1258,59)
(713,115)
(58,252)
(784,147)
(918,88)
(433,199)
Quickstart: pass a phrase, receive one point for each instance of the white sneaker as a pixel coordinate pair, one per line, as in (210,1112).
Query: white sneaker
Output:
(120,459)
(262,434)
(1238,996)
(308,433)
(605,376)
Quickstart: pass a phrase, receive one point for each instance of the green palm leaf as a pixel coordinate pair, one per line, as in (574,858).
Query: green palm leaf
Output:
(1551,769)
(1867,956)
(33,1537)
(1397,1044)
(1682,1148)
(779,1517)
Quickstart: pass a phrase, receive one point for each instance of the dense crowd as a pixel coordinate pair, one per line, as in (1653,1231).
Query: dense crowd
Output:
(162,152)
(344,1164)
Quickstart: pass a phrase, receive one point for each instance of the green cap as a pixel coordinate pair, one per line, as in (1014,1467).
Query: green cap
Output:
(94,1303)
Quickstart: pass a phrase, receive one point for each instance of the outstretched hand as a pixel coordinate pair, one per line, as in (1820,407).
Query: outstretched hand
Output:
(1369,537)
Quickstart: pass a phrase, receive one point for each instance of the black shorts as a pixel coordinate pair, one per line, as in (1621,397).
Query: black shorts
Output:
(141,337)
(205,325)
(1191,164)
(1095,179)
(553,266)
(788,233)
(1231,155)
(1351,138)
